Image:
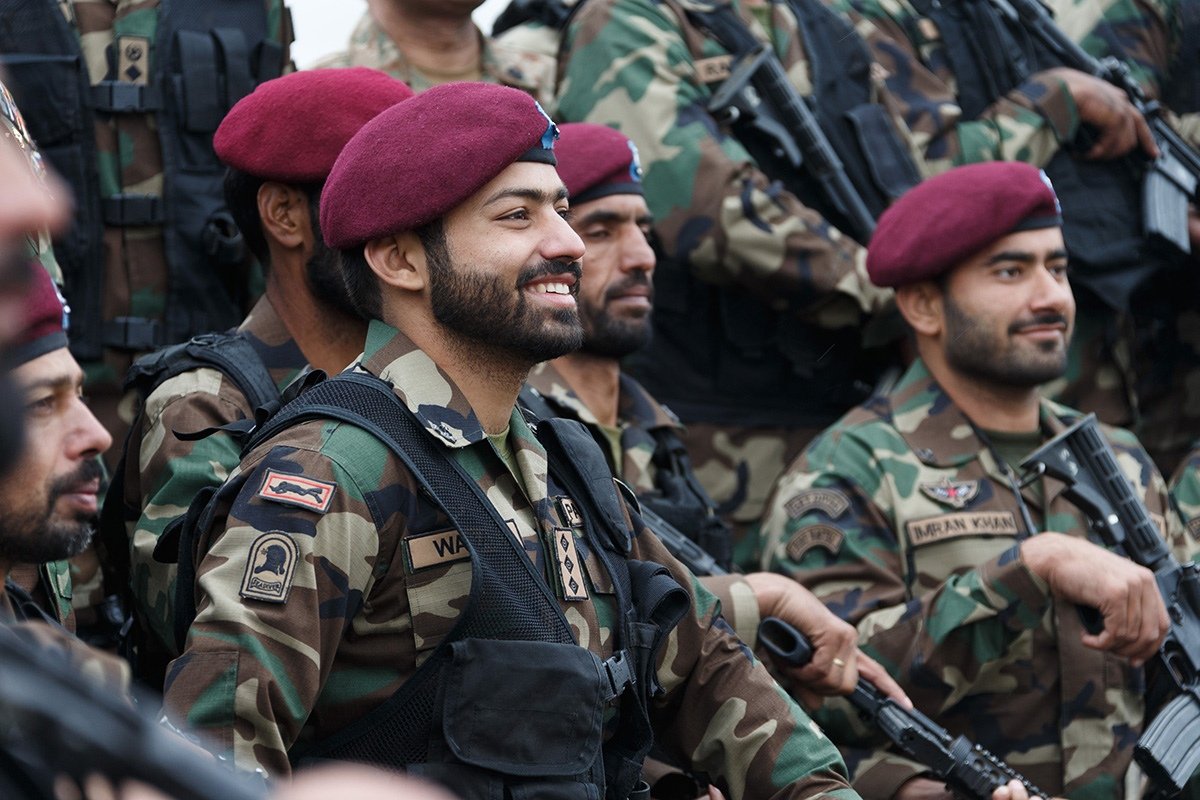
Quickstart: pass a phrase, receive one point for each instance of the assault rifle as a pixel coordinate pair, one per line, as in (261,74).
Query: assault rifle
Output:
(1169,748)
(1170,183)
(758,93)
(57,723)
(968,769)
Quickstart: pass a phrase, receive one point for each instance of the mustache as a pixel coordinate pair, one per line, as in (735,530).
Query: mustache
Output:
(88,472)
(635,280)
(1050,318)
(544,269)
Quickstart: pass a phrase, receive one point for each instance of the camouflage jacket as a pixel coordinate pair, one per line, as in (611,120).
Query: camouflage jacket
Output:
(1185,488)
(630,454)
(370,46)
(163,473)
(367,598)
(900,519)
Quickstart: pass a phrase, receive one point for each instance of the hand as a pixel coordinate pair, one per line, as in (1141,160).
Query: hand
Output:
(1193,228)
(1107,108)
(836,660)
(1013,791)
(1125,594)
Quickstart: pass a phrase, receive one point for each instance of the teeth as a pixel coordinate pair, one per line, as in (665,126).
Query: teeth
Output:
(552,288)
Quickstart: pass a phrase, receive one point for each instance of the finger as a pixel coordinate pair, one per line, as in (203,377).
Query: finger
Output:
(873,671)
(1145,137)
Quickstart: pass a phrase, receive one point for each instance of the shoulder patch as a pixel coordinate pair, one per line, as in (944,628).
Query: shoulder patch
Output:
(431,549)
(806,539)
(714,69)
(1193,527)
(830,501)
(297,490)
(270,568)
(955,494)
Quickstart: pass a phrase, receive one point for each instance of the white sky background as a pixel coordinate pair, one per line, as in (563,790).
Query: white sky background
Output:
(324,26)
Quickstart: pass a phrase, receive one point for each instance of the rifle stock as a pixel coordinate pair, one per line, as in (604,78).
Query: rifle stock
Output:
(1168,750)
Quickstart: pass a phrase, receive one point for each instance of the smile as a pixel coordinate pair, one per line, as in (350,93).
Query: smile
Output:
(550,288)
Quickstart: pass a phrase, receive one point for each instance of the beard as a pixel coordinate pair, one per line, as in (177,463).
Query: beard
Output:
(615,337)
(36,535)
(972,350)
(483,308)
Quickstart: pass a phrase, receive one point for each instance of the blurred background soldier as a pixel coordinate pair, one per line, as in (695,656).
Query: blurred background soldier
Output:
(123,100)
(427,42)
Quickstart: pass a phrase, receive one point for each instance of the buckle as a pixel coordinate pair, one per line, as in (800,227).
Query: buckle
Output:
(132,209)
(121,97)
(620,674)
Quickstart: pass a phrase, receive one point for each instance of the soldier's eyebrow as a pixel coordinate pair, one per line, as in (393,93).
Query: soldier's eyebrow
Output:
(539,196)
(606,216)
(57,383)
(1023,256)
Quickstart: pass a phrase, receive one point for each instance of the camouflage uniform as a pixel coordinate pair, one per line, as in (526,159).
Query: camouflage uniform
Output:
(901,520)
(1185,488)
(163,473)
(358,619)
(370,46)
(640,66)
(630,451)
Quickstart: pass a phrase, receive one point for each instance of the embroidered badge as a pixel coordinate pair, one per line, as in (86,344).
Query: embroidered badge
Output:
(806,539)
(569,574)
(952,526)
(270,568)
(431,549)
(953,493)
(1193,527)
(296,490)
(569,512)
(830,501)
(133,63)
(715,69)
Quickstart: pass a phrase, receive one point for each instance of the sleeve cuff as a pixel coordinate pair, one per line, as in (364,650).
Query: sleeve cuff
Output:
(1049,96)
(739,606)
(1021,597)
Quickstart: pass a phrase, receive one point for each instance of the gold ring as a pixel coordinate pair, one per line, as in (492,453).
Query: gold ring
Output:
(837,662)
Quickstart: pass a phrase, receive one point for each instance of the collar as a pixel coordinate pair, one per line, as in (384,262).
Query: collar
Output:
(635,406)
(934,428)
(428,392)
(270,338)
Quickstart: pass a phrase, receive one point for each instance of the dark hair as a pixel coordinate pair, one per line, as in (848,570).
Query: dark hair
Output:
(361,284)
(241,198)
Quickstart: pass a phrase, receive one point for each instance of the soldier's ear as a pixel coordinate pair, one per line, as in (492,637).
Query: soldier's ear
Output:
(283,211)
(398,261)
(921,306)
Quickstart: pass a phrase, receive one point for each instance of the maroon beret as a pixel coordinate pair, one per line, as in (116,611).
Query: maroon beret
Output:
(418,160)
(45,324)
(292,128)
(946,219)
(595,161)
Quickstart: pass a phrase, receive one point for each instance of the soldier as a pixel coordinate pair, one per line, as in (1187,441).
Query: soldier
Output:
(456,612)
(640,438)
(907,518)
(425,43)
(761,302)
(276,171)
(123,100)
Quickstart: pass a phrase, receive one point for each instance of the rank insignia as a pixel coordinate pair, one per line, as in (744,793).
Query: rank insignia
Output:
(826,537)
(569,574)
(270,568)
(296,490)
(830,501)
(953,493)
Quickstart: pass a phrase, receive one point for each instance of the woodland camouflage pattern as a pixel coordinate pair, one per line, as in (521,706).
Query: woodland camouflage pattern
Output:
(358,620)
(630,452)
(900,520)
(370,46)
(163,473)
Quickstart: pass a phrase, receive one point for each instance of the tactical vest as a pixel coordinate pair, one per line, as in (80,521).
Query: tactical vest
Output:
(719,354)
(234,356)
(679,498)
(1182,92)
(508,704)
(1101,200)
(205,57)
